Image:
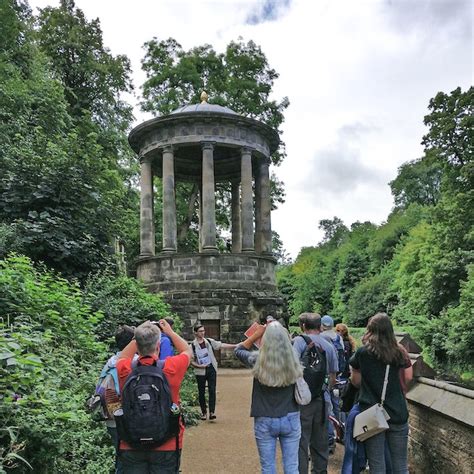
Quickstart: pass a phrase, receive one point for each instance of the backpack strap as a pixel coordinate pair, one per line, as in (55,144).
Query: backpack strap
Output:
(306,338)
(309,341)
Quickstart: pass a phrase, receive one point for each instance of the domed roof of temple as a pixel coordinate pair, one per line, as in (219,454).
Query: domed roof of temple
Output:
(203,107)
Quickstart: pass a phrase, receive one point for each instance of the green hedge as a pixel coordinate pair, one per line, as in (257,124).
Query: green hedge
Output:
(51,352)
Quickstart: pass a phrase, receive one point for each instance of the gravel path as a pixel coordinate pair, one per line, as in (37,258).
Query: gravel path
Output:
(227,445)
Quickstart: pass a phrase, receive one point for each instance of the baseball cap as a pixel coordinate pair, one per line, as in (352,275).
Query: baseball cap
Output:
(327,321)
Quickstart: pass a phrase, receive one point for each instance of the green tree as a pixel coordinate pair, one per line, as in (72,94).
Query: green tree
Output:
(451,126)
(62,188)
(93,78)
(334,230)
(418,181)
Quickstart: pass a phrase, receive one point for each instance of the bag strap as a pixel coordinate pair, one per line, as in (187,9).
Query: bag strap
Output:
(385,383)
(306,339)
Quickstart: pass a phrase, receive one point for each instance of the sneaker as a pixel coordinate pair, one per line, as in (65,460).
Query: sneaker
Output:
(212,416)
(203,416)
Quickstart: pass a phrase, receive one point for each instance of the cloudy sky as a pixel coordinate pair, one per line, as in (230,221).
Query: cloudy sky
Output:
(359,76)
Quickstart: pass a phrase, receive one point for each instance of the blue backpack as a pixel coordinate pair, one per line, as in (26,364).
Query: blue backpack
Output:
(106,397)
(338,344)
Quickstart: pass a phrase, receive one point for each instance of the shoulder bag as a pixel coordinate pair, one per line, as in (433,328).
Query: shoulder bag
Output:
(373,420)
(302,392)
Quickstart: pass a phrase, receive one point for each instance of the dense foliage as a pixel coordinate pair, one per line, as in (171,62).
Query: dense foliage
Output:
(50,357)
(67,192)
(65,187)
(49,363)
(417,265)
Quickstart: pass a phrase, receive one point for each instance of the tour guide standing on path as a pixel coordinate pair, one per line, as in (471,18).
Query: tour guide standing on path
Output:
(164,459)
(205,368)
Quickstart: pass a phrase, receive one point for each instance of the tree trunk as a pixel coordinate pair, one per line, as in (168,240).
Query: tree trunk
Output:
(184,226)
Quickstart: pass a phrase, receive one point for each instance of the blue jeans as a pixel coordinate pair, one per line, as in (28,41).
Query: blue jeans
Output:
(288,430)
(396,438)
(335,412)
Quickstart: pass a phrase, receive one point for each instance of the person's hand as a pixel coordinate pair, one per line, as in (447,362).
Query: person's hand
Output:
(165,327)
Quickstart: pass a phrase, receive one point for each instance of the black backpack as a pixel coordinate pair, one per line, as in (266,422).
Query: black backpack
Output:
(313,359)
(147,418)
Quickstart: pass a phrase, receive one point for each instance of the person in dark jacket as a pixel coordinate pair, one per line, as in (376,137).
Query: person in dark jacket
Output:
(368,366)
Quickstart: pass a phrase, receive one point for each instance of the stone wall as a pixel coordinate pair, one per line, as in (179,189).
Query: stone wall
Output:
(235,309)
(441,436)
(202,271)
(234,289)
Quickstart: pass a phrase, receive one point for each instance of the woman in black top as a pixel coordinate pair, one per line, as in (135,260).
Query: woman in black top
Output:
(275,368)
(368,371)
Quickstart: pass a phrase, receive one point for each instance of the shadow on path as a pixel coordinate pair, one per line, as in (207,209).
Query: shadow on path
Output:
(227,445)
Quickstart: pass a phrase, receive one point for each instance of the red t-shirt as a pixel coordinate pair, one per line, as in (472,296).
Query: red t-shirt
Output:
(175,367)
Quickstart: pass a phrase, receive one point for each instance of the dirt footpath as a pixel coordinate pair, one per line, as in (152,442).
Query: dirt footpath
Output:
(227,445)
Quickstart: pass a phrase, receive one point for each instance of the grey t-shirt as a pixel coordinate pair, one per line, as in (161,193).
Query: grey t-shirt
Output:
(272,402)
(299,345)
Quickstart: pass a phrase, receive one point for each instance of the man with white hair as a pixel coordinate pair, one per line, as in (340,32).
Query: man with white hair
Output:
(164,459)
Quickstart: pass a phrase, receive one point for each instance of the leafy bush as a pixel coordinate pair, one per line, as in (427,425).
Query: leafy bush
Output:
(368,298)
(123,300)
(49,363)
(50,357)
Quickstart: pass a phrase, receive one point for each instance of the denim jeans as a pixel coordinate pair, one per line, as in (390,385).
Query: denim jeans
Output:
(313,435)
(288,430)
(396,438)
(335,412)
(150,462)
(113,434)
(211,379)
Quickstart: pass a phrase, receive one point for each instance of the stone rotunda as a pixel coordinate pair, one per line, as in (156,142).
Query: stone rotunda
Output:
(204,144)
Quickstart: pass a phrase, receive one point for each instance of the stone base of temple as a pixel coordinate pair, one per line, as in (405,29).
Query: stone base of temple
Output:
(227,291)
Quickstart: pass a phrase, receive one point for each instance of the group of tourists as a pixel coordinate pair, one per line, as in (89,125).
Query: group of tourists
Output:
(147,429)
(379,371)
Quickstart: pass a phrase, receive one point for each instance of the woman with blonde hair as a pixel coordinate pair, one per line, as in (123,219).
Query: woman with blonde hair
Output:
(369,367)
(275,368)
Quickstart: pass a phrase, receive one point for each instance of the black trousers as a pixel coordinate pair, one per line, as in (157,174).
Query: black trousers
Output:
(211,379)
(150,462)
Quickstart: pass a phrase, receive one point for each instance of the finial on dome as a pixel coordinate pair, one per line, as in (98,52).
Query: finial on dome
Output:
(204,97)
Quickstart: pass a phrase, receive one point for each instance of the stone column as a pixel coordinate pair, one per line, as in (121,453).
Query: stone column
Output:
(169,202)
(236,225)
(265,208)
(147,229)
(200,217)
(258,212)
(247,201)
(208,228)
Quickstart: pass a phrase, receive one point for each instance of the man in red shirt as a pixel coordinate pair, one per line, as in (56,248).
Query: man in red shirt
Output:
(164,459)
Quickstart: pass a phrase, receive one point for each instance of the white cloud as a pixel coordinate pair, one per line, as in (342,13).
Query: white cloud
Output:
(370,65)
